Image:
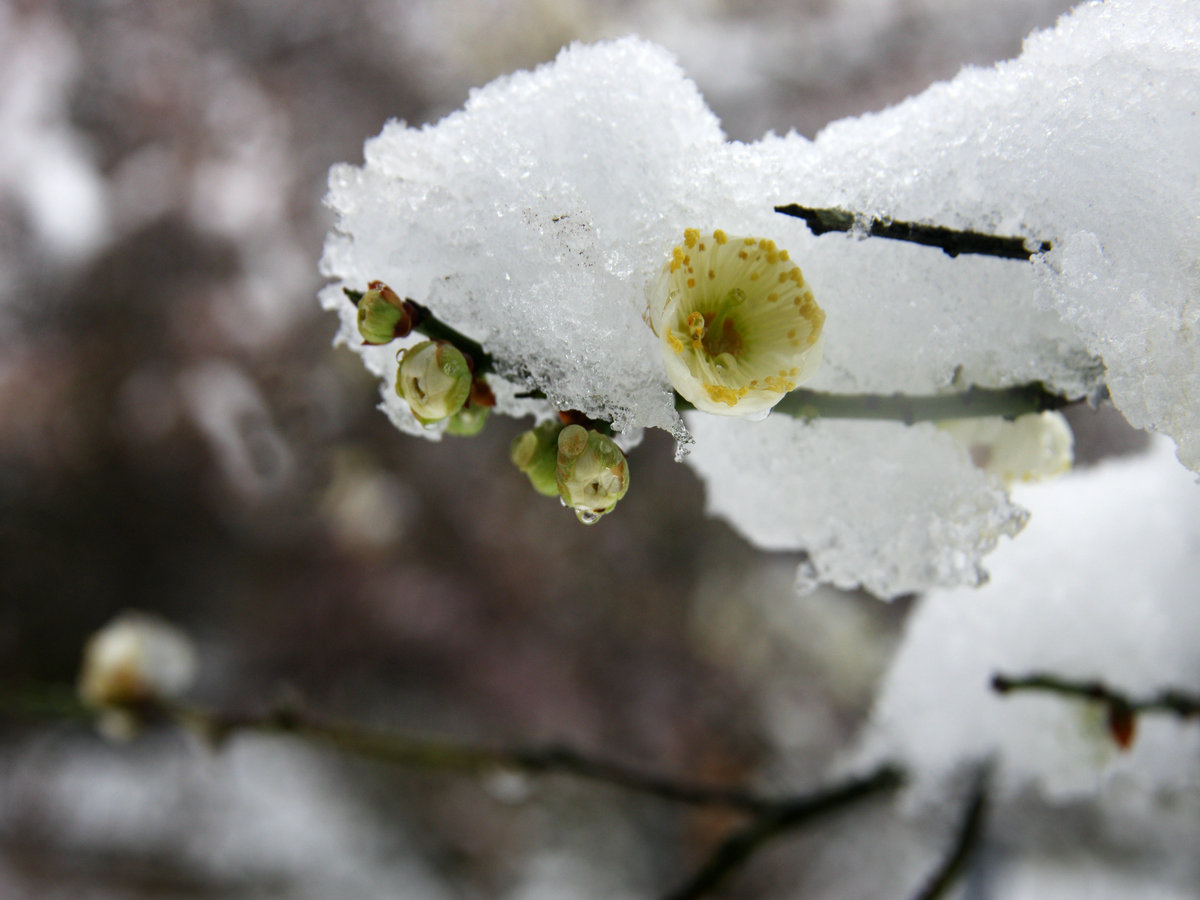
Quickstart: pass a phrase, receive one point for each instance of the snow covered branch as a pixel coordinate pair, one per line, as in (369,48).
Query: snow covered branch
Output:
(544,220)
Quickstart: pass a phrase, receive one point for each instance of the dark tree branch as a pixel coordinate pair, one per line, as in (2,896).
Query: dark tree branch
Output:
(739,846)
(966,840)
(974,402)
(951,241)
(422,752)
(1175,702)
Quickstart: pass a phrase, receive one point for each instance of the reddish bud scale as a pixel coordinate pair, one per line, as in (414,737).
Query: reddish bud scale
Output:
(481,394)
(1122,724)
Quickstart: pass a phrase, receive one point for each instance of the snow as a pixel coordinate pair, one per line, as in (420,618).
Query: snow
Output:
(1088,140)
(533,219)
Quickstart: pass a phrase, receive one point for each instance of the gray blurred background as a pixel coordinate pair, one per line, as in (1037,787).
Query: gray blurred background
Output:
(177,434)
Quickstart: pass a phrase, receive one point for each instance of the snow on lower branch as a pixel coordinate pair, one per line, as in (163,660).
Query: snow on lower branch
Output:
(889,507)
(1100,587)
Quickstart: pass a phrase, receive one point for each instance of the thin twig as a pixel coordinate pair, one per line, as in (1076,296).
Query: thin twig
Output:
(423,752)
(438,753)
(564,760)
(966,840)
(951,241)
(737,849)
(1176,702)
(772,816)
(426,323)
(1123,710)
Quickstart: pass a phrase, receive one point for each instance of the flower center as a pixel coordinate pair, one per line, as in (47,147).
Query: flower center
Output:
(716,333)
(724,338)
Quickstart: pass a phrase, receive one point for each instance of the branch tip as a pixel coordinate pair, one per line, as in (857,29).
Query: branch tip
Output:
(951,241)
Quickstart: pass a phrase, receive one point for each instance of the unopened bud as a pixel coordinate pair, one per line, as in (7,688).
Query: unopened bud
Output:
(382,315)
(1029,448)
(434,380)
(535,452)
(592,473)
(134,660)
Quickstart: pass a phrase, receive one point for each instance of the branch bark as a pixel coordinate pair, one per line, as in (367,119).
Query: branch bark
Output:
(950,241)
(1179,703)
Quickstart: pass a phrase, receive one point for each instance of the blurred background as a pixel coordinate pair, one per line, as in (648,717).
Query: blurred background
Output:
(177,434)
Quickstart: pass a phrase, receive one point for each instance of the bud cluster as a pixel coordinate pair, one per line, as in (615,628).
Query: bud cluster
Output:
(738,327)
(580,465)
(435,378)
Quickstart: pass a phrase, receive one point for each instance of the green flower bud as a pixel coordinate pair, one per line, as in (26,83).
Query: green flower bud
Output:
(434,380)
(382,315)
(737,323)
(468,421)
(535,452)
(592,473)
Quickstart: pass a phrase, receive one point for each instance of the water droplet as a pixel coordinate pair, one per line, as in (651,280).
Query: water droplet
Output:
(587,517)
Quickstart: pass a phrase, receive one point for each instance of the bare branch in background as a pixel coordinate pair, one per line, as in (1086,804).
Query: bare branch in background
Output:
(967,838)
(462,757)
(741,845)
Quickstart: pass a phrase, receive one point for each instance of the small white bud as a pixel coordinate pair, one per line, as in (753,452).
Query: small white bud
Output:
(1028,448)
(135,659)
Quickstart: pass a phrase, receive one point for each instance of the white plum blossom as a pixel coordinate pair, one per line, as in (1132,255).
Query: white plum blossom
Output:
(738,325)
